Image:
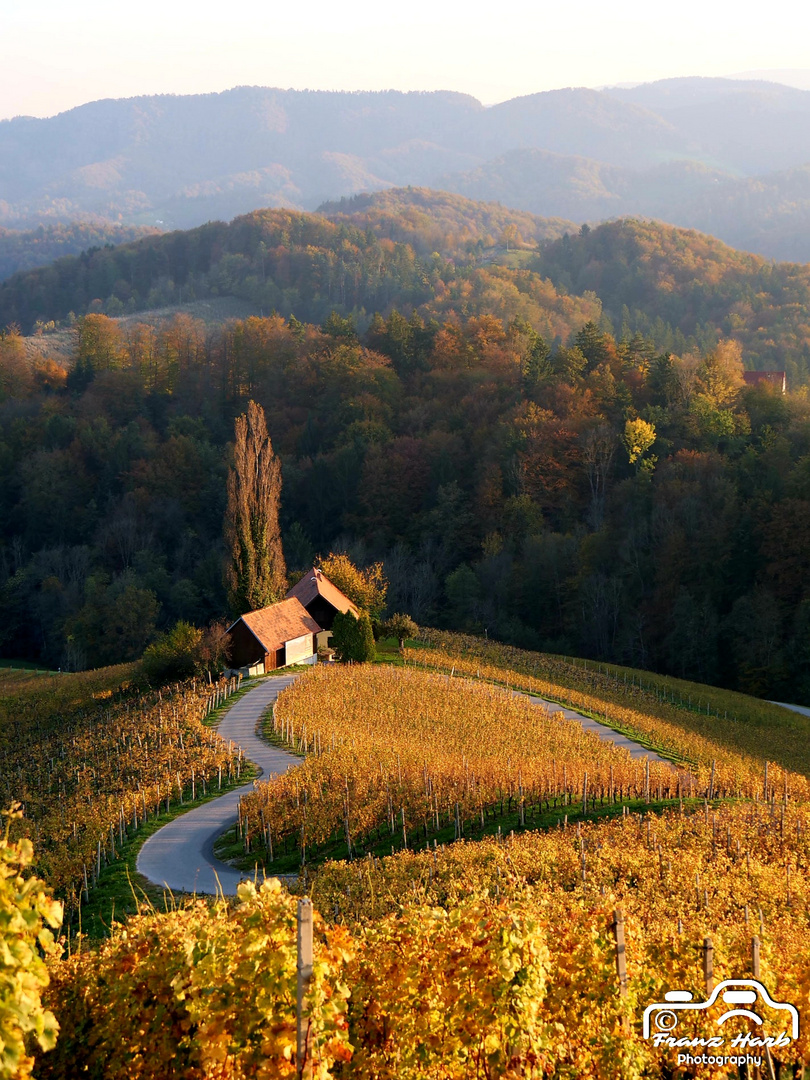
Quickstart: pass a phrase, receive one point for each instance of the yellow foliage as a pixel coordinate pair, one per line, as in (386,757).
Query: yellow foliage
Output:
(365,588)
(638,438)
(28,914)
(203,993)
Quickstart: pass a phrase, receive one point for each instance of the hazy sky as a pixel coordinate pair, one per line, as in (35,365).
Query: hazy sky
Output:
(57,55)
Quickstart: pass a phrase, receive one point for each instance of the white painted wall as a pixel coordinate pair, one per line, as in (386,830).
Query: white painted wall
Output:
(298,650)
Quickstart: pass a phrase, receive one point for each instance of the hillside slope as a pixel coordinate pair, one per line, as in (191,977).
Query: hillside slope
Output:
(38,247)
(445,256)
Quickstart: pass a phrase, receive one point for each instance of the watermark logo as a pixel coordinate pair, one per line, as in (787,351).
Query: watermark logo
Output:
(746,998)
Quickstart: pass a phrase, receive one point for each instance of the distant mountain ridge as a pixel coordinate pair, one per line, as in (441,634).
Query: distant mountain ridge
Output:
(725,156)
(38,247)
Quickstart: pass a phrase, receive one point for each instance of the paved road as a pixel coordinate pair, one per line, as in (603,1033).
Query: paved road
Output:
(181,854)
(602,730)
(794,708)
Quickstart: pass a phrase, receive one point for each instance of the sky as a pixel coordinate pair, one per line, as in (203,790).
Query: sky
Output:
(60,55)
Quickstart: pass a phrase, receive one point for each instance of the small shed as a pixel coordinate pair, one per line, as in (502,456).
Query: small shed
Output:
(272,637)
(322,599)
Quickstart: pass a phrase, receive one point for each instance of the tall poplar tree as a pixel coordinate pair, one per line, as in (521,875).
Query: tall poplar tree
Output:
(255,574)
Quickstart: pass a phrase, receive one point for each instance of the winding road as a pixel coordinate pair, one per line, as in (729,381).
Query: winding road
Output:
(181,854)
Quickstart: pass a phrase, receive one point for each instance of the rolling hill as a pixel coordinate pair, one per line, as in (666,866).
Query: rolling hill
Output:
(443,256)
(722,155)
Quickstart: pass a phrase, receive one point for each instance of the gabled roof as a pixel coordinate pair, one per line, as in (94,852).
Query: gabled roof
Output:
(313,584)
(273,626)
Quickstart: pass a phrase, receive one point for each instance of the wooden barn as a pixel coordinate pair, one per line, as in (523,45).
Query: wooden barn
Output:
(322,599)
(273,637)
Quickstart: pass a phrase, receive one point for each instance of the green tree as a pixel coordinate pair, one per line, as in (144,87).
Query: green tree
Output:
(255,574)
(353,638)
(568,364)
(175,654)
(596,347)
(401,627)
(537,367)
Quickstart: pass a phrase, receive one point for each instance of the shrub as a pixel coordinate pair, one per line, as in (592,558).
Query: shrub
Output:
(175,654)
(352,638)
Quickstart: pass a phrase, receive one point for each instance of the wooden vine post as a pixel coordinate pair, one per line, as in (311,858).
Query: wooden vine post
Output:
(708,964)
(621,960)
(304,972)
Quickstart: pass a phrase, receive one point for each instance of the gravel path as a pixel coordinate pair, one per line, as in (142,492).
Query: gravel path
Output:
(181,854)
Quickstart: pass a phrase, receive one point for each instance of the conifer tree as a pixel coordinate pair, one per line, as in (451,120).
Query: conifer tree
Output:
(255,573)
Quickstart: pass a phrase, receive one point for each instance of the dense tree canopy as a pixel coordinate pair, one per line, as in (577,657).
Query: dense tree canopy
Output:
(579,490)
(442,257)
(594,496)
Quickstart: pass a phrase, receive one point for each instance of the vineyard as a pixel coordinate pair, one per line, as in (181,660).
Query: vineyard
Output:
(514,891)
(395,757)
(693,723)
(90,757)
(489,959)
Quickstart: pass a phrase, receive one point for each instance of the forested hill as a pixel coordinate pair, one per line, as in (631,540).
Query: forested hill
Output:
(443,256)
(653,278)
(726,156)
(21,251)
(453,225)
(594,497)
(307,265)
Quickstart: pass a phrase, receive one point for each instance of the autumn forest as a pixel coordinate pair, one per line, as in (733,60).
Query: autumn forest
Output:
(543,435)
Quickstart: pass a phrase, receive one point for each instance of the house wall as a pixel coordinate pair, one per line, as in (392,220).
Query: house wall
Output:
(299,649)
(245,649)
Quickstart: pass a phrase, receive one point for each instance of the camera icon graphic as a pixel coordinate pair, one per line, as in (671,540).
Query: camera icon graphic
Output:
(741,994)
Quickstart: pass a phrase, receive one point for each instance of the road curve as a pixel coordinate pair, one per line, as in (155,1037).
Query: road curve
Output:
(180,856)
(803,709)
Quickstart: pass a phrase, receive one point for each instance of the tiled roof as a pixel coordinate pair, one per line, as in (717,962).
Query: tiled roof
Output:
(281,622)
(313,584)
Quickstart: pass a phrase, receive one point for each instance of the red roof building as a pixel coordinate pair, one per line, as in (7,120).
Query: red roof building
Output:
(321,598)
(274,636)
(776,379)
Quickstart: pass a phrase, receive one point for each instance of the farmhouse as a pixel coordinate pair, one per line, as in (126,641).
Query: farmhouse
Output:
(776,379)
(274,636)
(322,599)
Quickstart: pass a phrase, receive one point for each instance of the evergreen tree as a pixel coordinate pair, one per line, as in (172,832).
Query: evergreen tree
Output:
(255,574)
(353,638)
